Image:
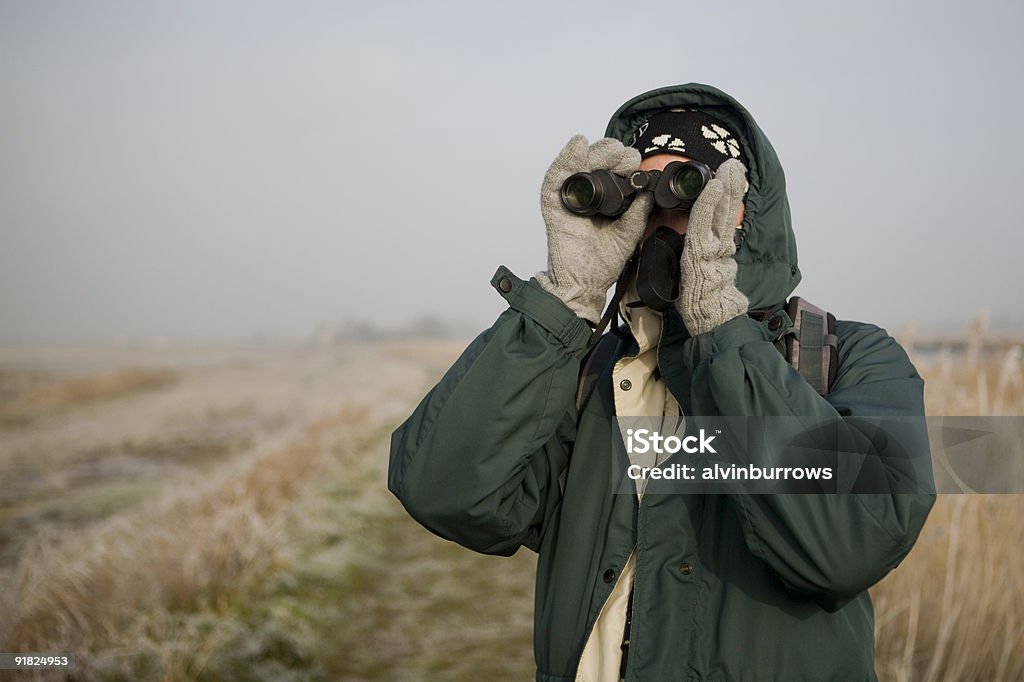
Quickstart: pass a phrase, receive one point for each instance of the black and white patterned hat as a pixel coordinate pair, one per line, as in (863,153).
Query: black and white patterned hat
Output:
(688,132)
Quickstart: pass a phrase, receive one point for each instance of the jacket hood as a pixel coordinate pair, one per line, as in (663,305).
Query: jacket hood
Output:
(767,264)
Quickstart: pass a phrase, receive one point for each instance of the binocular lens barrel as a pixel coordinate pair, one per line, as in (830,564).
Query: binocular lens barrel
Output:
(686,183)
(580,194)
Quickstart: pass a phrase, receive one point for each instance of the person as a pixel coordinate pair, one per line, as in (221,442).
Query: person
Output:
(501,454)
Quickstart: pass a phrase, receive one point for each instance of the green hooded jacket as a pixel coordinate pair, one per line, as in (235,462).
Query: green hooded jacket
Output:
(727,587)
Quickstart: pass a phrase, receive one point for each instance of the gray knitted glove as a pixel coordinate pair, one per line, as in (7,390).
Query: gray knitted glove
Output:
(709,295)
(586,254)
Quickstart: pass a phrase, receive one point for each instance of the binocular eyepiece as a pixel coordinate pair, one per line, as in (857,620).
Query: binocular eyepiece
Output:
(602,192)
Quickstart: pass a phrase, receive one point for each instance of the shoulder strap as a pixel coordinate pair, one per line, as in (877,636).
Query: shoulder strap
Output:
(811,345)
(596,359)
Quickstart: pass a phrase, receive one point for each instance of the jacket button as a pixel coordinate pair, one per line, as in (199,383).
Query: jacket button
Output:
(609,575)
(775,323)
(625,384)
(505,284)
(685,568)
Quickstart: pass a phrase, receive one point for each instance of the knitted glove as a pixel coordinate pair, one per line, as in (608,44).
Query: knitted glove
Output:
(709,295)
(586,254)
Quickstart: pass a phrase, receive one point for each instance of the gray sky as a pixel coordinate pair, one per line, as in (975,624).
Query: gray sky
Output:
(218,170)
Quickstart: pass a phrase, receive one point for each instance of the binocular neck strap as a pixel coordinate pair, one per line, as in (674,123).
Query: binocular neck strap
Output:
(620,290)
(628,272)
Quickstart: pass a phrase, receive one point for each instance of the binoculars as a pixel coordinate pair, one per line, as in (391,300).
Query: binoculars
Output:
(602,192)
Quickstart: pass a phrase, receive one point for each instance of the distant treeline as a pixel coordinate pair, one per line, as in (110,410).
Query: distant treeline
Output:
(425,327)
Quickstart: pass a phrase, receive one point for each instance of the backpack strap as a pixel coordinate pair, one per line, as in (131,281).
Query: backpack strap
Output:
(811,345)
(594,362)
(596,359)
(806,337)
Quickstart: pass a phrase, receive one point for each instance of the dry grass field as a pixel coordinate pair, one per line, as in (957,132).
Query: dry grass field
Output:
(221,514)
(954,609)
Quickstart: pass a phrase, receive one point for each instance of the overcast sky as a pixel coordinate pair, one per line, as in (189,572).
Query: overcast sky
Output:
(220,170)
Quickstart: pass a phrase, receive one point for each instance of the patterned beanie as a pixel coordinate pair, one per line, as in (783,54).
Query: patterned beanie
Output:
(687,132)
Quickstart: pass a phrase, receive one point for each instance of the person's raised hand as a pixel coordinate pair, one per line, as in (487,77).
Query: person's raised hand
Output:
(709,296)
(587,253)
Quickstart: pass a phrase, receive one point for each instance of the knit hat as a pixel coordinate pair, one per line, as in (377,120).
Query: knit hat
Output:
(687,132)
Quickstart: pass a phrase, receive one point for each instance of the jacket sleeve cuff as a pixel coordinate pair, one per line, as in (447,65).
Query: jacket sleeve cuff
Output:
(544,308)
(737,332)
